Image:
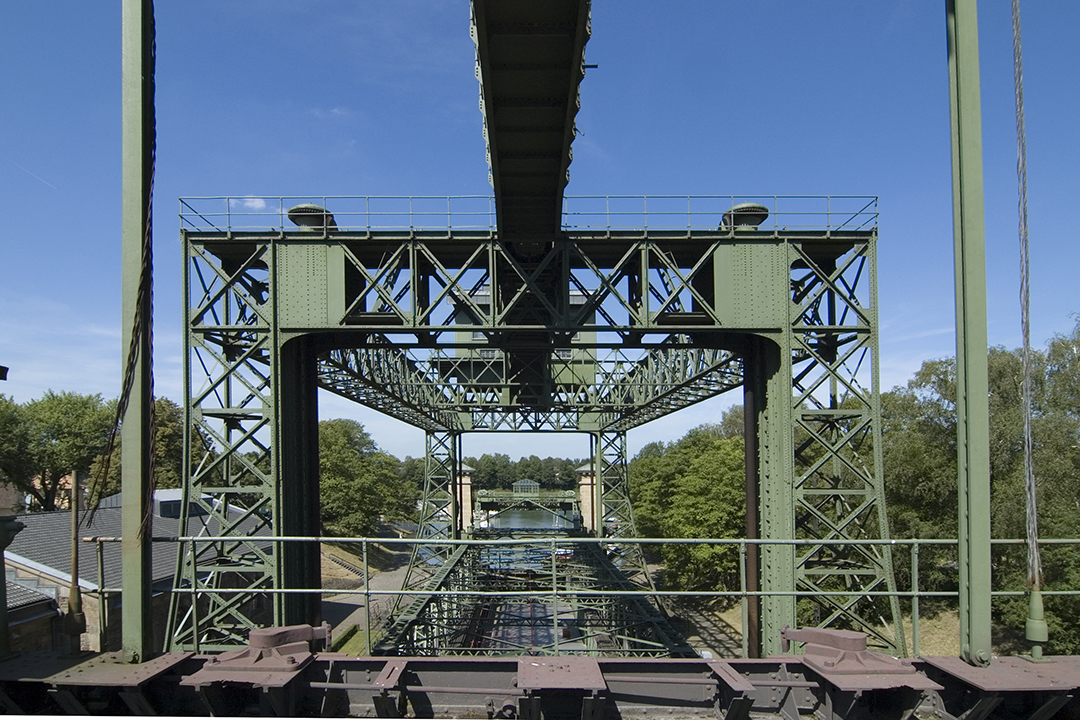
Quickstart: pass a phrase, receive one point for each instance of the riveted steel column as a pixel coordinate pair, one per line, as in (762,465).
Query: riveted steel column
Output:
(753,406)
(776,509)
(972,384)
(138,173)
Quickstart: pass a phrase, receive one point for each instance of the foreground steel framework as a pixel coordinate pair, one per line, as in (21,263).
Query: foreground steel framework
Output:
(253,360)
(285,673)
(529,311)
(672,315)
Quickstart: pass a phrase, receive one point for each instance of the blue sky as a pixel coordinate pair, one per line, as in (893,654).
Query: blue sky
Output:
(373,98)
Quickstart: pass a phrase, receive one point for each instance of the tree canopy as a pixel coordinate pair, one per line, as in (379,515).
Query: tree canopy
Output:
(168,452)
(919,452)
(693,487)
(48,439)
(358,482)
(498,471)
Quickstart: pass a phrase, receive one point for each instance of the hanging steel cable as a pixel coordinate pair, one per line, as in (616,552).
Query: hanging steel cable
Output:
(142,321)
(1034,560)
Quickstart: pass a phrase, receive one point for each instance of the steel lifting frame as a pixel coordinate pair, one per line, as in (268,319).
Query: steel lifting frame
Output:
(232,487)
(250,386)
(268,321)
(440,516)
(614,514)
(836,414)
(478,593)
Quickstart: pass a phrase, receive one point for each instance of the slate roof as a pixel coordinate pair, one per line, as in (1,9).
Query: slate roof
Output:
(19,596)
(46,540)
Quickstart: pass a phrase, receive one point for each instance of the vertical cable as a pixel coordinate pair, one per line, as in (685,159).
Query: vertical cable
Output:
(1033,560)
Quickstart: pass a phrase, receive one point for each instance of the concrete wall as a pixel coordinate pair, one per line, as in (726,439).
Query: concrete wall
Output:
(586,488)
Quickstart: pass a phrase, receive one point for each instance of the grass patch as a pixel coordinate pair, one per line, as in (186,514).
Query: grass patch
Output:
(380,557)
(354,642)
(340,641)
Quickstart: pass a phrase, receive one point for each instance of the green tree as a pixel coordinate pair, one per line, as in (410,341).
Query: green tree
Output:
(66,433)
(711,504)
(693,487)
(168,453)
(731,422)
(358,482)
(15,461)
(494,471)
(412,471)
(52,437)
(919,453)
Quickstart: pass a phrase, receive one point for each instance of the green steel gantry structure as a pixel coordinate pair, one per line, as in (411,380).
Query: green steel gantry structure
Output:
(530,311)
(568,315)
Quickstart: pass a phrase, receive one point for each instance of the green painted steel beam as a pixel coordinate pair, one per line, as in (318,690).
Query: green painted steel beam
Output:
(425,331)
(461,390)
(138,140)
(530,60)
(972,382)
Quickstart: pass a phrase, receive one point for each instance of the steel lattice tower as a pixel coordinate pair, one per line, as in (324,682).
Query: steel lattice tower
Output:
(530,312)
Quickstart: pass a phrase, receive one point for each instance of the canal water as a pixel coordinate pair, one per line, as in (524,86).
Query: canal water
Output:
(522,519)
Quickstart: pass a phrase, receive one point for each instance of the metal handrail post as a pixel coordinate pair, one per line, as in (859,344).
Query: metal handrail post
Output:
(103,603)
(915,600)
(367,601)
(743,601)
(555,597)
(194,603)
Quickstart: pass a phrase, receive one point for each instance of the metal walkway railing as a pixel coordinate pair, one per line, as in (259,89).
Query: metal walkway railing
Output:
(913,594)
(476,213)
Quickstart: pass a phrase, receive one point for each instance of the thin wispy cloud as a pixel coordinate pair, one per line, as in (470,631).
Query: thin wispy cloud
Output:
(919,334)
(335,112)
(248,203)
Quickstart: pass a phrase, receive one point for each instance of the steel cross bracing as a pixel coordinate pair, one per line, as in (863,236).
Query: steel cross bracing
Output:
(644,324)
(536,600)
(837,441)
(231,487)
(444,389)
(440,518)
(615,514)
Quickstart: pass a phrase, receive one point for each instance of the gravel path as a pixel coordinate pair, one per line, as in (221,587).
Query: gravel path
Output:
(343,611)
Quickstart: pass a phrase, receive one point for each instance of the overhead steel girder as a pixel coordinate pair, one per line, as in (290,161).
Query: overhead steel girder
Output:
(530,59)
(431,389)
(641,286)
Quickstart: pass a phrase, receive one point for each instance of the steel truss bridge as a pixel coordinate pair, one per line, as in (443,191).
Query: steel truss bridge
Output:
(535,311)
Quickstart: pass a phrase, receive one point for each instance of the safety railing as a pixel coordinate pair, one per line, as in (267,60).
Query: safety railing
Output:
(910,572)
(459,213)
(791,213)
(588,213)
